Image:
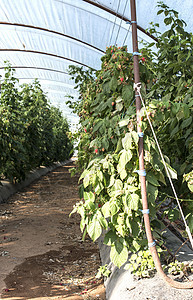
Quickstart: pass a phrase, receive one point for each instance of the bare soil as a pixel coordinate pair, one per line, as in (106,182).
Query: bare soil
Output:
(42,255)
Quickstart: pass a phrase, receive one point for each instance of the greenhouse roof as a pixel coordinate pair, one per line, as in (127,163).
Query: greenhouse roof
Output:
(41,38)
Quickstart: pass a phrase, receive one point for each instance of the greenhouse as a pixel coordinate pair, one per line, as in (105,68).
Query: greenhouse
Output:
(96,139)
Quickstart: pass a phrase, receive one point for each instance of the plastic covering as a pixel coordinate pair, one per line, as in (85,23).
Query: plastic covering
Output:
(41,38)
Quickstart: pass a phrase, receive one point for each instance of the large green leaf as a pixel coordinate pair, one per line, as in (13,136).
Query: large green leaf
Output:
(127,93)
(127,141)
(119,253)
(186,122)
(110,238)
(102,220)
(133,201)
(89,196)
(106,210)
(172,172)
(113,83)
(152,179)
(125,157)
(152,192)
(94,228)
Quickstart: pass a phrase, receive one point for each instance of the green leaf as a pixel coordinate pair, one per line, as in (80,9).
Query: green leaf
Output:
(135,228)
(94,228)
(119,106)
(118,254)
(160,11)
(190,186)
(110,238)
(89,205)
(174,131)
(97,125)
(125,157)
(186,122)
(113,83)
(151,178)
(123,174)
(131,188)
(133,201)
(89,196)
(112,180)
(172,172)
(119,145)
(186,110)
(124,122)
(152,192)
(127,141)
(86,180)
(106,210)
(113,208)
(136,245)
(118,184)
(102,220)
(190,222)
(168,21)
(127,93)
(135,137)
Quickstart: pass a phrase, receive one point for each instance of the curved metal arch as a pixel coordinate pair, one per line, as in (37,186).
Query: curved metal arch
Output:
(46,79)
(37,68)
(120,17)
(45,53)
(52,31)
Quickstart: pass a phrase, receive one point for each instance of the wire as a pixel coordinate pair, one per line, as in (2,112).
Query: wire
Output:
(114,22)
(121,22)
(127,34)
(166,168)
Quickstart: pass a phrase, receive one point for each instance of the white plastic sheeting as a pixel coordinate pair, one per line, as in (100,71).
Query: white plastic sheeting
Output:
(41,38)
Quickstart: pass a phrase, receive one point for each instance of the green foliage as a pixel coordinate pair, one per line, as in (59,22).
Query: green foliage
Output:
(141,264)
(103,271)
(32,133)
(177,267)
(108,147)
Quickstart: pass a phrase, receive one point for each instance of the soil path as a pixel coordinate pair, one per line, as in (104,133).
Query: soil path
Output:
(42,255)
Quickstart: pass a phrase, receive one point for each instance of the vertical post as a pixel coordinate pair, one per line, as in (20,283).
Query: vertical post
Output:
(151,243)
(138,108)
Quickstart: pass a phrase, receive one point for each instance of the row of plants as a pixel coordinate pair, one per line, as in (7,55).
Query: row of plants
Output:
(108,140)
(32,132)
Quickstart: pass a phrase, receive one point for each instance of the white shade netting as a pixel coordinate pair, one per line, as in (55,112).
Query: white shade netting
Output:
(42,38)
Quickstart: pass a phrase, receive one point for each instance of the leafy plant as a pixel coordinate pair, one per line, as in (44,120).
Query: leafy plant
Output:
(103,271)
(108,147)
(32,132)
(141,264)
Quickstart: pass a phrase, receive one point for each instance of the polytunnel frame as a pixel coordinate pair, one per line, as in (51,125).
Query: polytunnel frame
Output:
(110,11)
(55,32)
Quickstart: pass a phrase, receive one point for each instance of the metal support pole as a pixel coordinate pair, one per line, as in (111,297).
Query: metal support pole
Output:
(171,282)
(138,108)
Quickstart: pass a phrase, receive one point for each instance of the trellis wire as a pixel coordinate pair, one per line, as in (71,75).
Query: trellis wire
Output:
(114,22)
(121,22)
(166,168)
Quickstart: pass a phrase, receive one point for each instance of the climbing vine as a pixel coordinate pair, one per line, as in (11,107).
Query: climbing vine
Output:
(108,147)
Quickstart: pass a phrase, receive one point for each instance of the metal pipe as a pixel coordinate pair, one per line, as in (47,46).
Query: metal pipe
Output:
(45,53)
(37,68)
(51,31)
(138,108)
(107,9)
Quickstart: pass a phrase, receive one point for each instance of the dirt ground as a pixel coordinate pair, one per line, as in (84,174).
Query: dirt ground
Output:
(42,255)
